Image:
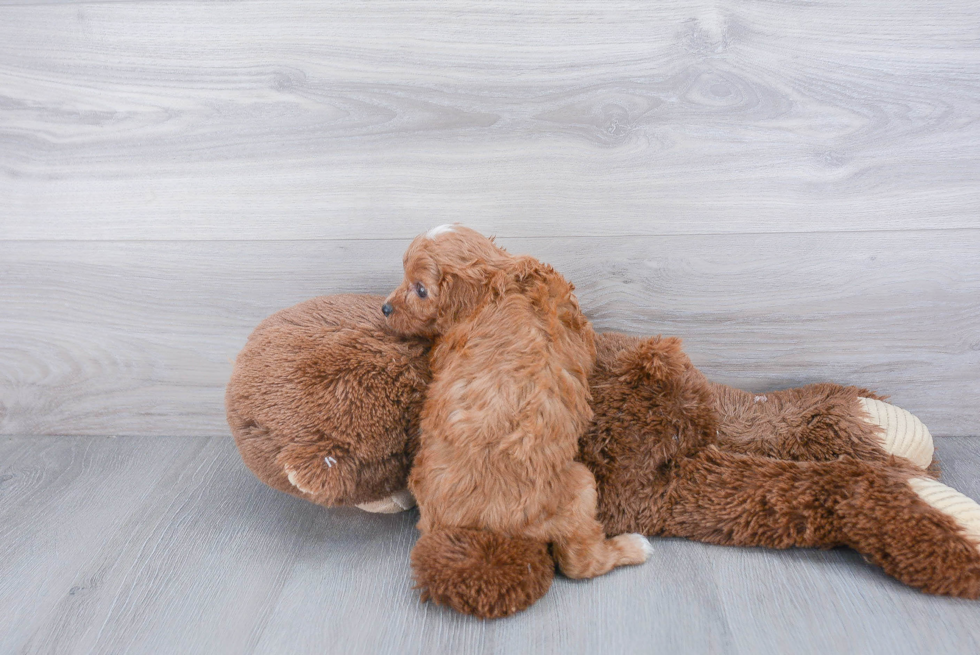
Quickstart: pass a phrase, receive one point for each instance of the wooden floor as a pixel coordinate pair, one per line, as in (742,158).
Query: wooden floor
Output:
(152,545)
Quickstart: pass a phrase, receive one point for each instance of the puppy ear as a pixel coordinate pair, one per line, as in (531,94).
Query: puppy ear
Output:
(462,289)
(654,360)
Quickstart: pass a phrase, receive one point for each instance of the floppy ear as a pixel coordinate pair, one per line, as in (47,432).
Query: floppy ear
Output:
(654,360)
(463,288)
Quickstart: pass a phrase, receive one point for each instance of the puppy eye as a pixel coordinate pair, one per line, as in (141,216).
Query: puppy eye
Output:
(420,289)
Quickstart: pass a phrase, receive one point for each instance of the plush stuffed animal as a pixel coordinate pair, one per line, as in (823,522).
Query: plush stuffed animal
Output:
(324,404)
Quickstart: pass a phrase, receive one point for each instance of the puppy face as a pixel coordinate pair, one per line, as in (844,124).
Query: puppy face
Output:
(447,271)
(413,308)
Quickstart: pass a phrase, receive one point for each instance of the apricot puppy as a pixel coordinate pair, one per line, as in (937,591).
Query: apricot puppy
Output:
(508,400)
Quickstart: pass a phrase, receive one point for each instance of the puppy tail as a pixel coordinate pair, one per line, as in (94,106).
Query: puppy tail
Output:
(481,573)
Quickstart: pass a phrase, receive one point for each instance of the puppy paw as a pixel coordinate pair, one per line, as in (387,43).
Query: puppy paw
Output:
(902,433)
(959,507)
(396,502)
(635,547)
(645,544)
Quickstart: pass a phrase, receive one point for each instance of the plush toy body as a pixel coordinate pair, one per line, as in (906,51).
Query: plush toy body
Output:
(672,453)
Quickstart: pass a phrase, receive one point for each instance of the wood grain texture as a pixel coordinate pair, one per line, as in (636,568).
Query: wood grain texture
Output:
(139,338)
(278,119)
(148,545)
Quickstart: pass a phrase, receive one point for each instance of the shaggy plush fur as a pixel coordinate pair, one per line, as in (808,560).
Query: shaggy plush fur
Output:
(508,400)
(672,455)
(324,401)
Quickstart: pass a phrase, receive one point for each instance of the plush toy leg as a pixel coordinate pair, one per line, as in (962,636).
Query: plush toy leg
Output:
(918,530)
(819,422)
(902,433)
(957,506)
(934,548)
(396,502)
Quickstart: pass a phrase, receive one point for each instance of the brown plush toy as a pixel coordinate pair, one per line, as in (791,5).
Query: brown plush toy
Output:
(324,405)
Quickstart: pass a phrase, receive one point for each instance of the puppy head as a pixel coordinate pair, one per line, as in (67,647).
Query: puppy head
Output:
(449,271)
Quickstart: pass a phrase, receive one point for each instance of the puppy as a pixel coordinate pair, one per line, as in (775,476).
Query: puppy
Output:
(508,400)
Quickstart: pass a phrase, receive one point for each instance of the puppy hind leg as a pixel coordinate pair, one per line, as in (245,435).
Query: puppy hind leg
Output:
(579,541)
(581,556)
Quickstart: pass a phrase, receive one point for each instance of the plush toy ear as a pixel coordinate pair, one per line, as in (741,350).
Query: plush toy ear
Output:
(481,573)
(653,360)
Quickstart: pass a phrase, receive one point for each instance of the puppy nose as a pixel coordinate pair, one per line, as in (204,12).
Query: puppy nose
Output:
(386,309)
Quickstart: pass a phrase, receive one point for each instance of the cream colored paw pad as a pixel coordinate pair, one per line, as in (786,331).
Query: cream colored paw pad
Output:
(961,508)
(396,502)
(293,477)
(902,433)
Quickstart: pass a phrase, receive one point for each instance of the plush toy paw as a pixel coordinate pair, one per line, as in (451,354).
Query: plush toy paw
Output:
(325,475)
(396,502)
(962,509)
(296,479)
(902,433)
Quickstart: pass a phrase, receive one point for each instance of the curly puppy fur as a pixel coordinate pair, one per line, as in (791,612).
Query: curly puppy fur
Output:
(501,575)
(508,401)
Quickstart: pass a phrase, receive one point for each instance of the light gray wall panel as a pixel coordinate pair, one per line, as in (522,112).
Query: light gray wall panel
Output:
(139,337)
(282,119)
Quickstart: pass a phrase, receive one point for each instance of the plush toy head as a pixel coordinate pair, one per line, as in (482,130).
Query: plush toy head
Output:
(324,401)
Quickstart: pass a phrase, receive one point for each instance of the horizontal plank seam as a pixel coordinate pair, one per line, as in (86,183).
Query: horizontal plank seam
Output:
(638,235)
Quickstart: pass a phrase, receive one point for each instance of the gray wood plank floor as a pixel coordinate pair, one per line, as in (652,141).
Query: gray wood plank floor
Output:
(150,545)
